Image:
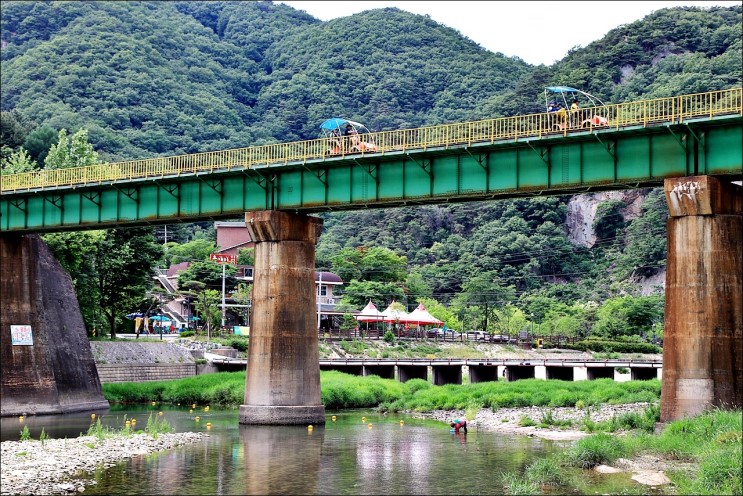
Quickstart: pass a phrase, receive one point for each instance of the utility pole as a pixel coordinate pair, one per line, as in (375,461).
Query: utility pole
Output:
(319,294)
(224,308)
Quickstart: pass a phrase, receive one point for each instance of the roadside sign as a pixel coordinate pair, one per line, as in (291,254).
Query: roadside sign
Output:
(222,258)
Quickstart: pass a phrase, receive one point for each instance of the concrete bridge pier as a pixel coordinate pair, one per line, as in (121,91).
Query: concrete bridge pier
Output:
(703,337)
(46,363)
(283,373)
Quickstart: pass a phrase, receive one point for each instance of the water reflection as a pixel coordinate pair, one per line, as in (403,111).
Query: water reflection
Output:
(343,457)
(281,460)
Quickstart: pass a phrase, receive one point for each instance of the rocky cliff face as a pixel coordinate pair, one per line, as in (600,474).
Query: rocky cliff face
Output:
(582,212)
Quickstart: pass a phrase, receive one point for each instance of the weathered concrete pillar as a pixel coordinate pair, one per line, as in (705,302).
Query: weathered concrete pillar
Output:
(283,373)
(45,358)
(702,345)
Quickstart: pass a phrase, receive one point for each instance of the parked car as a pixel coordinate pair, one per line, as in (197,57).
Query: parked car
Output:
(438,332)
(479,336)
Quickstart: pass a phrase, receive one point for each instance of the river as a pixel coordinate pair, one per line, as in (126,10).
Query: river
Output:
(361,452)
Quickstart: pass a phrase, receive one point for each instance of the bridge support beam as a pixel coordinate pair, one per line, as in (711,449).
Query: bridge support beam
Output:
(283,373)
(52,370)
(703,337)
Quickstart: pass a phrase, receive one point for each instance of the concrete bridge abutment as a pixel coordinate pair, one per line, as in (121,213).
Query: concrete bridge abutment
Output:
(283,373)
(45,358)
(703,337)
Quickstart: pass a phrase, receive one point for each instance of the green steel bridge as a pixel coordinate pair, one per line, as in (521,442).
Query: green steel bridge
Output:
(627,145)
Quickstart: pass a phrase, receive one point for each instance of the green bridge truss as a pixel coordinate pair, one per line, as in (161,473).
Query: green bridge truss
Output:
(635,144)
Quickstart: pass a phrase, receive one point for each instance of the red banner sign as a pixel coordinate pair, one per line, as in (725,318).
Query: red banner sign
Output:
(221,258)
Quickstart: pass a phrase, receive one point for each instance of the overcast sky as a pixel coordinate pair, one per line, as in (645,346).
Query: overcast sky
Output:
(516,28)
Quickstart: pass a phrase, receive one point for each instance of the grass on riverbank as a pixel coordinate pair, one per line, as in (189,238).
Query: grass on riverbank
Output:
(711,443)
(340,390)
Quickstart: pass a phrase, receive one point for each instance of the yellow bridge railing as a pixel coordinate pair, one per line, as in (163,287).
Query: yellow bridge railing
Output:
(640,113)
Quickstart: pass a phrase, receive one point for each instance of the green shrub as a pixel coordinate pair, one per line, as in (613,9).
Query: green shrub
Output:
(545,471)
(526,421)
(43,437)
(513,484)
(597,345)
(186,334)
(389,337)
(25,433)
(240,344)
(594,450)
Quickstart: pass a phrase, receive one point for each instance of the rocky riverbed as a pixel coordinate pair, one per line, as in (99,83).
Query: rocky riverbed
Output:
(51,467)
(646,469)
(506,420)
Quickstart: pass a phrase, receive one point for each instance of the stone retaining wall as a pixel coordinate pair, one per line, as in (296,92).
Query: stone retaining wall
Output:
(136,361)
(137,372)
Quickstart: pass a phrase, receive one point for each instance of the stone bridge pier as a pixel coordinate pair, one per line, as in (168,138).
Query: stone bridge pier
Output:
(703,337)
(283,372)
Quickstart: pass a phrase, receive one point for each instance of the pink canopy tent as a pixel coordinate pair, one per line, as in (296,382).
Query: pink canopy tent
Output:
(370,314)
(420,316)
(392,315)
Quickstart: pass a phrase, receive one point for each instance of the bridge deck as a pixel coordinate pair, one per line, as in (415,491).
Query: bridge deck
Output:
(644,143)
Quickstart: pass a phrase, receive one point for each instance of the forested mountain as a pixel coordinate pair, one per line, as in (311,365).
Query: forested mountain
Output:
(162,78)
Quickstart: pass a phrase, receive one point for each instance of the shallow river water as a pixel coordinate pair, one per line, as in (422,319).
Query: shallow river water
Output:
(347,456)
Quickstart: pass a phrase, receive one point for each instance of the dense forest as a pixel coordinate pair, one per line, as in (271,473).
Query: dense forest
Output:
(84,82)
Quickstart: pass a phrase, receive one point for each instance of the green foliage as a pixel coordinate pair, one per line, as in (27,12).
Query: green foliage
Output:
(197,250)
(71,152)
(358,293)
(594,450)
(17,162)
(389,337)
(156,425)
(513,484)
(608,221)
(187,334)
(39,141)
(207,306)
(25,433)
(111,270)
(43,437)
(14,129)
(210,274)
(258,72)
(246,256)
(348,322)
(240,344)
(526,421)
(545,471)
(614,346)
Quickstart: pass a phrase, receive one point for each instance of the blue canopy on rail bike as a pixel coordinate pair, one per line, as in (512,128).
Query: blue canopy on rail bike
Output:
(574,108)
(346,136)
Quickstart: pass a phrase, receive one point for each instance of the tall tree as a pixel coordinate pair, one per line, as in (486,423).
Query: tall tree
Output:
(125,259)
(74,151)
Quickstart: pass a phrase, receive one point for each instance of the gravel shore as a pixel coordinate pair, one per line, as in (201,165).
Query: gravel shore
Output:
(28,467)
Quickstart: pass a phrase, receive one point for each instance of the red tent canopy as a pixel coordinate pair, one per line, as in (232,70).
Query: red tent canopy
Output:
(420,316)
(370,314)
(393,315)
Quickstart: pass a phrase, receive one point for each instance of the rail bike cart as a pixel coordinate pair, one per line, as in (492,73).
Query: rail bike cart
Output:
(346,136)
(573,108)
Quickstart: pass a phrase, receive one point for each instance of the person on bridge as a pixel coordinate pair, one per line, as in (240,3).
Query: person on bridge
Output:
(574,112)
